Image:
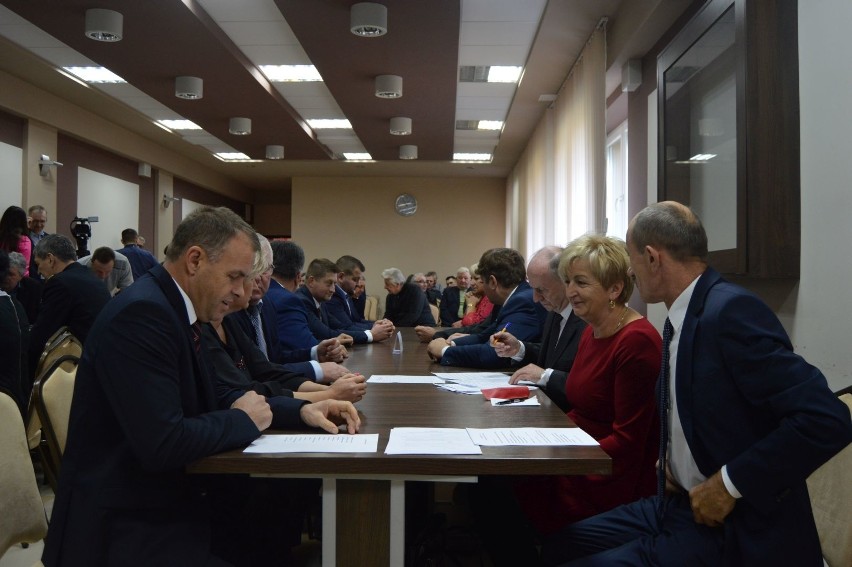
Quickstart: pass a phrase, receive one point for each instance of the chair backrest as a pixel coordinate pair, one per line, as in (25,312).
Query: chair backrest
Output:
(436,313)
(831,500)
(62,342)
(22,517)
(52,395)
(371,308)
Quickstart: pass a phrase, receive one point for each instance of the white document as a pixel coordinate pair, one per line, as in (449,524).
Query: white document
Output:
(531,436)
(511,403)
(315,443)
(478,379)
(460,388)
(394,379)
(430,441)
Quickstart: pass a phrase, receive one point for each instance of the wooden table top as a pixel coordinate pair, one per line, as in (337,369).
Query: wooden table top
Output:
(422,405)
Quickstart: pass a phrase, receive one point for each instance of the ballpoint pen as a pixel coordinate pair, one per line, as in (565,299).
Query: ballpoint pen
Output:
(511,401)
(494,341)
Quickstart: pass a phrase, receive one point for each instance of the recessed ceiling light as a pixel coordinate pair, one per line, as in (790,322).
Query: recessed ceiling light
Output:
(94,74)
(471,157)
(489,74)
(291,73)
(232,156)
(357,156)
(490,125)
(181,124)
(329,124)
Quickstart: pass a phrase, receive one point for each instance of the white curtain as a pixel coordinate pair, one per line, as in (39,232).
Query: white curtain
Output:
(557,189)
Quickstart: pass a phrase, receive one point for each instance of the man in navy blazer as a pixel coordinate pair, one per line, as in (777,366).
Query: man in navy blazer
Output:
(324,369)
(548,362)
(749,421)
(146,405)
(504,275)
(342,312)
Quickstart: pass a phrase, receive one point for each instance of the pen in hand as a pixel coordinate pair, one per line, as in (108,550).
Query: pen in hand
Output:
(494,340)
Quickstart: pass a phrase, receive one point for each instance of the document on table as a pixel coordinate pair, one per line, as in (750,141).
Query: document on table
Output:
(460,388)
(315,443)
(531,436)
(430,441)
(400,379)
(477,379)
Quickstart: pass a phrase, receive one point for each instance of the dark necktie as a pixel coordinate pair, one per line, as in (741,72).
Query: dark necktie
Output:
(663,405)
(254,315)
(196,337)
(555,325)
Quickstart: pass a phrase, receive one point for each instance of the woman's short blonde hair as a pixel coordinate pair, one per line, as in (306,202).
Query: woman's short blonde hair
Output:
(607,258)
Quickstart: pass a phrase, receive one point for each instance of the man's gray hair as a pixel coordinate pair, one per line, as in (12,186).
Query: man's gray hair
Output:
(57,244)
(17,260)
(394,275)
(211,229)
(462,270)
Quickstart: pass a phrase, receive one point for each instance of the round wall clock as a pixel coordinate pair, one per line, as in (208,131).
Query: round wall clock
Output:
(406,205)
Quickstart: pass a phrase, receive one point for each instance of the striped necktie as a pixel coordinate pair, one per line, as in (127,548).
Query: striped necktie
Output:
(663,406)
(259,339)
(196,337)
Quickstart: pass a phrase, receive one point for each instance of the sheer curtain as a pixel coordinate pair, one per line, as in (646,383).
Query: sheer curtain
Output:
(557,190)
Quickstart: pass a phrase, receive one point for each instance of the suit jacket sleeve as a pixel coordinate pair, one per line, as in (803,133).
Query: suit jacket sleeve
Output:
(294,331)
(807,423)
(147,394)
(449,308)
(338,315)
(56,307)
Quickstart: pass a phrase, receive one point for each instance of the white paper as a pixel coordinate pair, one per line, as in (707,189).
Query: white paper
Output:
(460,389)
(315,443)
(531,401)
(478,379)
(400,379)
(531,436)
(430,441)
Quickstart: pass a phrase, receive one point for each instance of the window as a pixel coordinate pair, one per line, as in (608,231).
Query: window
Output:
(616,182)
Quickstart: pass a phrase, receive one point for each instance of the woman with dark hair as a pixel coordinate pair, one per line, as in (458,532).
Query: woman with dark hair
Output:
(15,330)
(13,234)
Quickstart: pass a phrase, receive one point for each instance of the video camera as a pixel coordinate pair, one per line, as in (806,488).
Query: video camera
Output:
(82,231)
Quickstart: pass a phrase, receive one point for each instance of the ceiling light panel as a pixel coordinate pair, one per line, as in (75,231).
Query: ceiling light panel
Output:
(94,74)
(265,38)
(291,73)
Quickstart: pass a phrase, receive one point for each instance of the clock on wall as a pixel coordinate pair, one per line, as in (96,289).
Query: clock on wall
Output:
(406,205)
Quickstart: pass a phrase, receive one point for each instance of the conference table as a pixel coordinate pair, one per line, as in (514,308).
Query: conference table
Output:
(364,493)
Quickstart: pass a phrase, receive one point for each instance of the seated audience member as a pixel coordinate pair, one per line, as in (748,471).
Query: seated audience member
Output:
(609,390)
(27,290)
(453,300)
(406,304)
(14,234)
(14,330)
(359,296)
(73,296)
(433,292)
(547,362)
(259,322)
(294,331)
(479,307)
(745,419)
(36,221)
(504,275)
(140,259)
(450,281)
(341,309)
(318,289)
(146,405)
(111,267)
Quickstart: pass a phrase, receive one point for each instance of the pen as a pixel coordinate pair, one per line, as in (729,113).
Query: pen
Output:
(494,340)
(506,327)
(511,401)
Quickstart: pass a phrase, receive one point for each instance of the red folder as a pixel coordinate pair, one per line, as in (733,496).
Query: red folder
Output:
(506,392)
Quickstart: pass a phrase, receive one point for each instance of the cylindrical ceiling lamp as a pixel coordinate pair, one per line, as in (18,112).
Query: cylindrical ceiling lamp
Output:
(400,126)
(189,88)
(388,86)
(368,19)
(240,126)
(104,25)
(274,152)
(408,152)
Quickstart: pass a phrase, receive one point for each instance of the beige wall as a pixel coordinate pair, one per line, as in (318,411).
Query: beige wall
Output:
(456,220)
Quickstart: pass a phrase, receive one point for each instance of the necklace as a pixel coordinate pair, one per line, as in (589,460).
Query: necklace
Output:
(620,322)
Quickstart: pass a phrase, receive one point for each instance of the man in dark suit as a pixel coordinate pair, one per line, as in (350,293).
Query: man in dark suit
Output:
(406,303)
(549,361)
(146,405)
(504,275)
(73,296)
(453,299)
(26,289)
(749,421)
(259,323)
(318,289)
(140,259)
(36,220)
(341,309)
